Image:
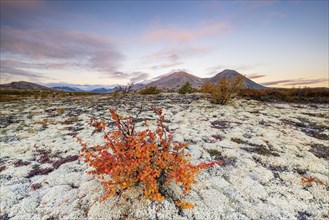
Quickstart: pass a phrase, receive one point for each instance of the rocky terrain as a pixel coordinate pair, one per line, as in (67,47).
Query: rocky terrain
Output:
(267,149)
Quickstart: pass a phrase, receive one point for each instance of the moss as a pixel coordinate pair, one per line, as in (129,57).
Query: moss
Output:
(320,151)
(213,152)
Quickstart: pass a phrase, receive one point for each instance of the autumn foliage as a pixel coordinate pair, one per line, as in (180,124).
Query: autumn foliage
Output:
(223,90)
(307,181)
(146,158)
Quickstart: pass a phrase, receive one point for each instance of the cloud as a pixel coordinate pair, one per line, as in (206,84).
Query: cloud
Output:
(12,72)
(294,82)
(138,77)
(60,48)
(166,65)
(271,83)
(255,75)
(306,82)
(116,74)
(180,35)
(174,56)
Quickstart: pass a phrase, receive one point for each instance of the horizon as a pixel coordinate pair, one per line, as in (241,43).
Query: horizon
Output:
(273,43)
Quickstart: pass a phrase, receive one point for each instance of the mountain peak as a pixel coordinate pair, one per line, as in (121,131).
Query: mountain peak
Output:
(180,74)
(231,74)
(176,80)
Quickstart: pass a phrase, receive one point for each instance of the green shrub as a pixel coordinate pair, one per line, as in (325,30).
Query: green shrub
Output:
(150,90)
(186,88)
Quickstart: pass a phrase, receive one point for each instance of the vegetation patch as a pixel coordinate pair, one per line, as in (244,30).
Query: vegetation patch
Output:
(152,90)
(39,171)
(58,163)
(8,95)
(309,128)
(320,151)
(149,159)
(217,155)
(297,95)
(43,156)
(186,88)
(260,150)
(255,148)
(2,168)
(219,124)
(36,186)
(224,90)
(20,163)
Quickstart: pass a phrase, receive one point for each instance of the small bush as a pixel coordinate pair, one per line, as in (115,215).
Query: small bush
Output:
(186,88)
(146,158)
(224,90)
(150,90)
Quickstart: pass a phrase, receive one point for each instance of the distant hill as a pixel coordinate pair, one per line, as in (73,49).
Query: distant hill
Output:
(102,90)
(231,74)
(22,85)
(68,89)
(177,79)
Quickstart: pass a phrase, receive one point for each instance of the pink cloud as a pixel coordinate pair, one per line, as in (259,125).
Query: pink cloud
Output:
(174,56)
(61,47)
(255,75)
(167,65)
(177,34)
(294,82)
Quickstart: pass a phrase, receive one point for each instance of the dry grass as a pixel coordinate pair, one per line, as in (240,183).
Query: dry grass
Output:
(16,95)
(305,95)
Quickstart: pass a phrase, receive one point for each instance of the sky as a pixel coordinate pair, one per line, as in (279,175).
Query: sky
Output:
(106,43)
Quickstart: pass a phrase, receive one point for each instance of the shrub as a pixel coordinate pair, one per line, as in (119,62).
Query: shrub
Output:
(207,87)
(141,158)
(150,90)
(224,90)
(125,89)
(186,88)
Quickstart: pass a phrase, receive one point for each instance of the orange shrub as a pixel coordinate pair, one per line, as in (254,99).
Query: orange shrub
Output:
(147,158)
(207,87)
(224,90)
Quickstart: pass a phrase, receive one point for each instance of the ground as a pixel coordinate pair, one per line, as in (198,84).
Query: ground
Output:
(267,149)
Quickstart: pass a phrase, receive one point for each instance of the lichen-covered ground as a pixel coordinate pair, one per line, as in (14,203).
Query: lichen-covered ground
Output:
(266,149)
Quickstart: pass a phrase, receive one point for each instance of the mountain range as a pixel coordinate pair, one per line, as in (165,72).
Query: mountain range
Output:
(177,79)
(172,81)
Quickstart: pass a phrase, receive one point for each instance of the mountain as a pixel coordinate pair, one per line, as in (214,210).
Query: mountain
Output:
(176,80)
(231,74)
(22,85)
(68,89)
(138,86)
(101,90)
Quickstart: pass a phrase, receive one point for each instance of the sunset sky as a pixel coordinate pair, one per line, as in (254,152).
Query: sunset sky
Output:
(275,43)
